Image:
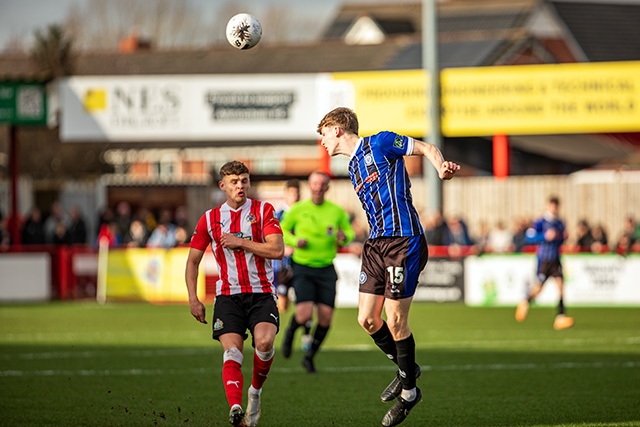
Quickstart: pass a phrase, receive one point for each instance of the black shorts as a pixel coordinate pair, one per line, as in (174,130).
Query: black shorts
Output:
(391,266)
(313,284)
(237,313)
(548,269)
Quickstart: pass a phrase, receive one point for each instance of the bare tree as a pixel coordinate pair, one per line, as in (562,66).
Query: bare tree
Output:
(166,23)
(52,52)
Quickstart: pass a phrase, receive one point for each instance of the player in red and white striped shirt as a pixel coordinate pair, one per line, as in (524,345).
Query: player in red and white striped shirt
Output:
(245,236)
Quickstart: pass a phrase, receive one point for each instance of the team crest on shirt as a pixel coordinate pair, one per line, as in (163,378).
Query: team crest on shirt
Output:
(363,277)
(218,325)
(251,219)
(368,159)
(398,142)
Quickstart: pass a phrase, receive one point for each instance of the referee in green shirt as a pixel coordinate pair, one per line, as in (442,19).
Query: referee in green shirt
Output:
(316,228)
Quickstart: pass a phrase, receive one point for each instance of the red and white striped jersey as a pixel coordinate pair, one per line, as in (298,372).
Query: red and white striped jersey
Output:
(240,271)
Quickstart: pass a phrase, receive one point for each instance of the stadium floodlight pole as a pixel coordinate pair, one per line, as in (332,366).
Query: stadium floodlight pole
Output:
(430,63)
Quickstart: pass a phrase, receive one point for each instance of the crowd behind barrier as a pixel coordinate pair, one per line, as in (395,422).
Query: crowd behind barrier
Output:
(64,235)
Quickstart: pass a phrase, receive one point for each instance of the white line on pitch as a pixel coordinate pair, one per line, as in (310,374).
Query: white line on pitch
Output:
(330,369)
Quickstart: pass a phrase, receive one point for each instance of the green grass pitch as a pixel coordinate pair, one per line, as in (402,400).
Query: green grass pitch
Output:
(81,364)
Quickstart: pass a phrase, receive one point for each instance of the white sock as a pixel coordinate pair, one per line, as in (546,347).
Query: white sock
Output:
(409,395)
(254,390)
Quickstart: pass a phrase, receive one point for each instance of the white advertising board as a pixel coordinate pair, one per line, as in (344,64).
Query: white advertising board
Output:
(25,277)
(257,107)
(590,280)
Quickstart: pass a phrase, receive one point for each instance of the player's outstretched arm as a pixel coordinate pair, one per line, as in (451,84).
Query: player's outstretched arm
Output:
(446,169)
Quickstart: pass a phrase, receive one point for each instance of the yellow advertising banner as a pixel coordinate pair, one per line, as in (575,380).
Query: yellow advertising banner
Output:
(523,99)
(541,99)
(154,275)
(389,100)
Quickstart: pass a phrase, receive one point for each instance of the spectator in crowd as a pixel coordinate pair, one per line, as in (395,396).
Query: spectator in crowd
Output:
(77,229)
(5,238)
(110,234)
(164,235)
(436,229)
(500,239)
(482,238)
(520,226)
(55,217)
(629,240)
(457,237)
(33,229)
(136,236)
(600,241)
(182,235)
(105,216)
(123,217)
(147,218)
(60,235)
(584,239)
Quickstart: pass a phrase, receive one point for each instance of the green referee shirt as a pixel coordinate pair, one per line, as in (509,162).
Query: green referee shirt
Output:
(319,226)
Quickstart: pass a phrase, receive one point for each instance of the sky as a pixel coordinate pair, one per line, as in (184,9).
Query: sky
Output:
(21,18)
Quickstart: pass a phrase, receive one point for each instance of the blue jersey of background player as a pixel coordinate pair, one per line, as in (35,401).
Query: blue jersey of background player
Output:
(548,233)
(549,225)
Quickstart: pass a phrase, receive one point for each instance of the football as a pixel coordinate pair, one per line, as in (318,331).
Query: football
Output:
(244,31)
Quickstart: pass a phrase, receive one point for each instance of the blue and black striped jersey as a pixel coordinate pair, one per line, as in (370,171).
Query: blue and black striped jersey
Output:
(547,250)
(382,184)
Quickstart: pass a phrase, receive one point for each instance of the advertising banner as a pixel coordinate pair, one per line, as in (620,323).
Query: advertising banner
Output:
(590,280)
(154,275)
(541,99)
(253,107)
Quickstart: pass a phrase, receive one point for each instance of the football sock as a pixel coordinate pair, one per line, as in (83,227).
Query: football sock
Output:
(307,327)
(318,336)
(407,362)
(409,395)
(293,326)
(561,306)
(262,361)
(384,340)
(232,378)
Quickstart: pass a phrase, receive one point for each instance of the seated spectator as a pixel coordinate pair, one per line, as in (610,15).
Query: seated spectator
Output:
(500,239)
(599,236)
(584,239)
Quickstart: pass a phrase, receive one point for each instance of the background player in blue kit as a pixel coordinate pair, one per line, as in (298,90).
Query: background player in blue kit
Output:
(396,251)
(549,233)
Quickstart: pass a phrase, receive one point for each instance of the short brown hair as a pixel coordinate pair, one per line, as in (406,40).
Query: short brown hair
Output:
(342,117)
(233,167)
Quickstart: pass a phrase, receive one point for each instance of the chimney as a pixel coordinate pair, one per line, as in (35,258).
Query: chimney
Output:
(133,43)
